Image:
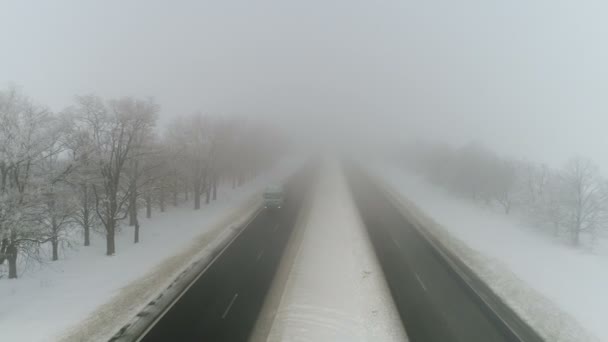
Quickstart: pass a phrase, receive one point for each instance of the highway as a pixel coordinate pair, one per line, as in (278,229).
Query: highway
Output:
(434,301)
(223,303)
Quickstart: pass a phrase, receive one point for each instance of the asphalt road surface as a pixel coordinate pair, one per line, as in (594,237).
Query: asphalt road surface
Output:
(223,304)
(435,304)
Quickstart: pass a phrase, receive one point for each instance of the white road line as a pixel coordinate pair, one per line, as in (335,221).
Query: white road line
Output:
(259,255)
(421,283)
(275,228)
(230,305)
(396,243)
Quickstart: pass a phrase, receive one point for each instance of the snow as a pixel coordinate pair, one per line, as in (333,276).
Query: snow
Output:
(335,289)
(559,290)
(88,296)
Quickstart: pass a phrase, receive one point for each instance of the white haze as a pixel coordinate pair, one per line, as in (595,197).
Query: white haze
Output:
(527,78)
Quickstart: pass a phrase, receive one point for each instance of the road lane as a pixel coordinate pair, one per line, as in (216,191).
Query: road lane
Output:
(222,305)
(435,303)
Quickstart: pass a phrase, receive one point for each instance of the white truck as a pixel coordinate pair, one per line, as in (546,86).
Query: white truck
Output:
(273,197)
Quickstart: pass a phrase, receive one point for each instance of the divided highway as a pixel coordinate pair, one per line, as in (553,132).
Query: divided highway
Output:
(224,302)
(434,301)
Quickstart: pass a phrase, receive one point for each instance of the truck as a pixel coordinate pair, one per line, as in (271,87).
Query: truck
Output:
(273,197)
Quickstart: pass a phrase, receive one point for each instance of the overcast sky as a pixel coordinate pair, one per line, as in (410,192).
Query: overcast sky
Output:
(528,78)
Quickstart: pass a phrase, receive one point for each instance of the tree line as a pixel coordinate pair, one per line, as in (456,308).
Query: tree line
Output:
(97,162)
(569,203)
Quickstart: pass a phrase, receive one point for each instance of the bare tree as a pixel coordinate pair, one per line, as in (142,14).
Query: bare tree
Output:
(143,174)
(145,158)
(549,205)
(24,139)
(56,217)
(57,207)
(502,183)
(197,150)
(585,201)
(114,130)
(78,141)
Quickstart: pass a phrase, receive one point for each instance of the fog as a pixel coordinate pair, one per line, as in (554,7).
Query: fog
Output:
(172,140)
(526,78)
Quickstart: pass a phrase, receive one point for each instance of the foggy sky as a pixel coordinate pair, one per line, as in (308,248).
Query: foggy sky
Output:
(528,78)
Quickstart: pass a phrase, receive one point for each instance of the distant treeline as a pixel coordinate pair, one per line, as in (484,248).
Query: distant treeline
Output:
(569,202)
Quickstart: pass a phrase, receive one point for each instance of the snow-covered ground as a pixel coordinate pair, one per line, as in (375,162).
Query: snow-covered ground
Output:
(335,289)
(86,296)
(560,290)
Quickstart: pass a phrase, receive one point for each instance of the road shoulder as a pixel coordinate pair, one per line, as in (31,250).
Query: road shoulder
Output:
(106,320)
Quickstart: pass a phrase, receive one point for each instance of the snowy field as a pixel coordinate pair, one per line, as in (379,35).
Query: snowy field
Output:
(335,289)
(87,290)
(515,260)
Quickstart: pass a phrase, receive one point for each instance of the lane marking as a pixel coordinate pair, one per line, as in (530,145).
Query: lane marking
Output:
(396,243)
(275,228)
(259,255)
(230,305)
(421,283)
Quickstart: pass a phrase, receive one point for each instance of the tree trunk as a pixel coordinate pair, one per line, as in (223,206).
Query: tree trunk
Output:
(197,193)
(136,230)
(87,234)
(55,231)
(197,200)
(175,191)
(133,195)
(132,209)
(161,201)
(3,250)
(11,256)
(207,193)
(110,245)
(575,236)
(148,206)
(215,188)
(136,233)
(55,246)
(86,225)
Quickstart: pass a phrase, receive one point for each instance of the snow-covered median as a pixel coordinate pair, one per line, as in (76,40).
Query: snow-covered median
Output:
(559,290)
(87,296)
(335,289)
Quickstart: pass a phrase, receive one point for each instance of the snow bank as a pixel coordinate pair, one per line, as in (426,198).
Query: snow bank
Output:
(335,290)
(87,296)
(559,290)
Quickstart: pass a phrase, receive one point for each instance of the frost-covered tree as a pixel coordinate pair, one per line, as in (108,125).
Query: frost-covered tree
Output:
(195,142)
(80,149)
(585,204)
(26,137)
(113,129)
(501,183)
(57,205)
(144,170)
(550,201)
(56,215)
